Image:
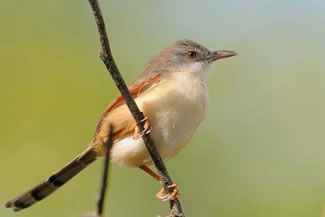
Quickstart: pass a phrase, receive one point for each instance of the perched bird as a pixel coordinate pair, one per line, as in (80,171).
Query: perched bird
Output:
(172,94)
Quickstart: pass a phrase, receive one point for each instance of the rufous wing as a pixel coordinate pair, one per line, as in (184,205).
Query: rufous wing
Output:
(119,115)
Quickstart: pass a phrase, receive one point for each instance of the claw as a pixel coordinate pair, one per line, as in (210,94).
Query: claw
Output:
(162,195)
(147,128)
(144,119)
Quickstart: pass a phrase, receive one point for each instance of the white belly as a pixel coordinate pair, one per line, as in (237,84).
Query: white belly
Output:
(175,112)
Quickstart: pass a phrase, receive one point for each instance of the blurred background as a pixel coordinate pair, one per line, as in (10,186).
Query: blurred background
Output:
(259,153)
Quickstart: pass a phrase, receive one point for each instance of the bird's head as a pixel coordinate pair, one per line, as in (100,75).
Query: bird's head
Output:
(187,56)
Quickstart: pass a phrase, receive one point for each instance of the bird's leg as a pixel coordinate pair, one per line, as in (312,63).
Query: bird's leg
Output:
(150,172)
(147,128)
(162,194)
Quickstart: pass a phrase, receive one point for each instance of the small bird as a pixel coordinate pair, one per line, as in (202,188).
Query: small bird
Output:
(171,92)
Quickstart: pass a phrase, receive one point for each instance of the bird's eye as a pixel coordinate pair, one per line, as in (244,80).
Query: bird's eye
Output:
(191,54)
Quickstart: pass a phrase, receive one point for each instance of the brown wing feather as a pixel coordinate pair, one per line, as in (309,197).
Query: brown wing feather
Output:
(117,113)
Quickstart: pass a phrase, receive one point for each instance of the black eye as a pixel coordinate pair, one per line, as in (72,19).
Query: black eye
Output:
(191,54)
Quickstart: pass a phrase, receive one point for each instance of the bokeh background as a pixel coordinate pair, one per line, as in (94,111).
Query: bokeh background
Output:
(259,153)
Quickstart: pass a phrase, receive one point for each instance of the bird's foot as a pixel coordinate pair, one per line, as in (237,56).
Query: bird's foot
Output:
(164,196)
(147,128)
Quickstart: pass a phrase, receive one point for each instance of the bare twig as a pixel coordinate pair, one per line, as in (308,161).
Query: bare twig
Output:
(107,58)
(103,181)
(101,198)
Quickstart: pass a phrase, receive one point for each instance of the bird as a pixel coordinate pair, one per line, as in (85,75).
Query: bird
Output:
(173,96)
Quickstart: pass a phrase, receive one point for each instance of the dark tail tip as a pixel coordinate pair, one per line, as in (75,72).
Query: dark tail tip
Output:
(11,204)
(8,204)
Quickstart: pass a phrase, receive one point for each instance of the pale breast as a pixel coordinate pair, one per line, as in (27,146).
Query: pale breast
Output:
(175,109)
(176,114)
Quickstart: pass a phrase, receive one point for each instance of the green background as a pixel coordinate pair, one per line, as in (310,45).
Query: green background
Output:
(259,153)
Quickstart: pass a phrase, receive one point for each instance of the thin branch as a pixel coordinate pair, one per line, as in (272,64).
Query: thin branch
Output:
(103,186)
(107,58)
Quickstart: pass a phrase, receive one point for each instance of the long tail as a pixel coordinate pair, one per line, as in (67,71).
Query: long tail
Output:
(52,183)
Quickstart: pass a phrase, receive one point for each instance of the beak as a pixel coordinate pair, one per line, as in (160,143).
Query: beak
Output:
(220,54)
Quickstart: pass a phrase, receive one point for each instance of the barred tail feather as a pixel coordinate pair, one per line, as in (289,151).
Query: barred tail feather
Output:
(52,183)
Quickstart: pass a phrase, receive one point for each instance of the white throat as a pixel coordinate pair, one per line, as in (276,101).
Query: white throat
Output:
(197,69)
